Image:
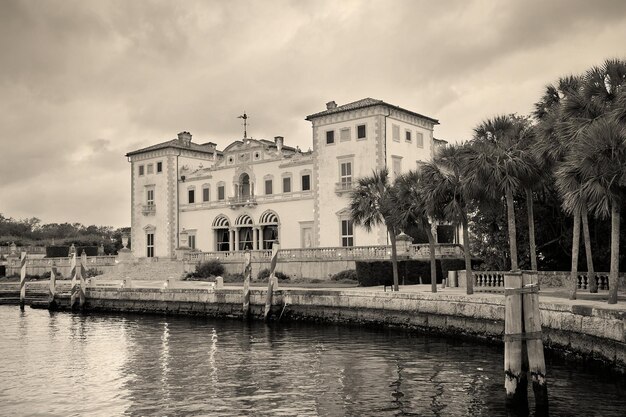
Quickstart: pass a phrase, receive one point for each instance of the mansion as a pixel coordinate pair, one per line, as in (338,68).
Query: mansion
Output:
(255,191)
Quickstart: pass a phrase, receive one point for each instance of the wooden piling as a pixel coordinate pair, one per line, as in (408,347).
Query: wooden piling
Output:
(534,343)
(22,280)
(81,279)
(247,275)
(270,283)
(515,380)
(74,282)
(52,304)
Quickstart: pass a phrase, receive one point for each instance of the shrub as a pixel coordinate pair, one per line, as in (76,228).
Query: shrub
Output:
(46,275)
(208,269)
(265,273)
(348,274)
(381,272)
(238,277)
(93,272)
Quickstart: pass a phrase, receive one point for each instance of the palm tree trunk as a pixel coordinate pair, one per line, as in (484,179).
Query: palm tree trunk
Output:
(575,249)
(433,260)
(394,259)
(531,229)
(469,277)
(510,214)
(591,273)
(613,273)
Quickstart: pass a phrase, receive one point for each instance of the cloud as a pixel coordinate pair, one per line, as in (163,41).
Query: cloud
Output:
(82,83)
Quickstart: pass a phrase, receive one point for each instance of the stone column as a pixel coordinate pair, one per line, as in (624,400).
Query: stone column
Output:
(231,239)
(260,238)
(236,239)
(255,238)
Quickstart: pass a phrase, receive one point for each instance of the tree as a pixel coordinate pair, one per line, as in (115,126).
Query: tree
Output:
(448,192)
(371,204)
(413,207)
(501,166)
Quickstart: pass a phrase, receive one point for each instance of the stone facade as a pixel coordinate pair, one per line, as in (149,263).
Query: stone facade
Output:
(256,191)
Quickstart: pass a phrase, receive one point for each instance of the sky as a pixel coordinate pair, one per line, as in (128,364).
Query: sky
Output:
(84,82)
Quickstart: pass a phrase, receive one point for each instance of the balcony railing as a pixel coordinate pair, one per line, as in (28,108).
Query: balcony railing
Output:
(148,209)
(242,201)
(344,187)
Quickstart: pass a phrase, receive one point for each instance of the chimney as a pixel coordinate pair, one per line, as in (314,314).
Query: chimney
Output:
(184,138)
(279,140)
(331,105)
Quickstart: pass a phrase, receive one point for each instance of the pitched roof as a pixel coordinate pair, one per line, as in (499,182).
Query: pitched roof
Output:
(363,103)
(175,143)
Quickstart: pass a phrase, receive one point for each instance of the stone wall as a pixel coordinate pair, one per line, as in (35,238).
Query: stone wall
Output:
(595,333)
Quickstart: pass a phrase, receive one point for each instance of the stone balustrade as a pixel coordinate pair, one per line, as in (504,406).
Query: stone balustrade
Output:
(495,279)
(38,266)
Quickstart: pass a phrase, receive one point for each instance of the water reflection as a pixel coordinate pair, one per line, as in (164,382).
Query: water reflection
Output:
(147,365)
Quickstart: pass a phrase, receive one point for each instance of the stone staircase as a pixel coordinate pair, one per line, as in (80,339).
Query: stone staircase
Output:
(153,269)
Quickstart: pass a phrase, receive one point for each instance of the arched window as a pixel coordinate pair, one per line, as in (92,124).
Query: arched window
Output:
(221,229)
(244,229)
(244,185)
(269,228)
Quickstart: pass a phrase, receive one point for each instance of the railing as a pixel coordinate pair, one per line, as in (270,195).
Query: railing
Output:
(148,209)
(335,253)
(344,187)
(107,260)
(488,279)
(242,200)
(38,250)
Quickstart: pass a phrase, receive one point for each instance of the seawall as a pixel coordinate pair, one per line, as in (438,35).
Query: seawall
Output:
(588,330)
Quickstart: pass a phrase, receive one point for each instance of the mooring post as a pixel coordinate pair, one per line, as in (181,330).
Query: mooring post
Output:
(82,272)
(247,274)
(22,280)
(534,343)
(270,282)
(52,304)
(515,380)
(73,284)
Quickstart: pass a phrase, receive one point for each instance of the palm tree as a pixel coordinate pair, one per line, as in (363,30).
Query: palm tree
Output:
(559,114)
(412,206)
(501,166)
(449,192)
(601,164)
(371,204)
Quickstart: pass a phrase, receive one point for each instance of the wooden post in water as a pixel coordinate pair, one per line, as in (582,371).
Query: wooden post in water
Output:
(22,280)
(82,272)
(534,343)
(247,274)
(515,381)
(52,304)
(73,285)
(270,282)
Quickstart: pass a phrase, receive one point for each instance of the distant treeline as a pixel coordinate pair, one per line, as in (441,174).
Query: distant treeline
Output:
(31,232)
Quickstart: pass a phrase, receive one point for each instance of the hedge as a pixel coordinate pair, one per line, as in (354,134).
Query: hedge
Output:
(63,251)
(409,271)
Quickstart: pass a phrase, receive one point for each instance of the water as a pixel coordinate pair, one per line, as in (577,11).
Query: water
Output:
(106,365)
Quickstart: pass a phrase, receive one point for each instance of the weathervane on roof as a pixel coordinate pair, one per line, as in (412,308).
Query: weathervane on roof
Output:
(244,116)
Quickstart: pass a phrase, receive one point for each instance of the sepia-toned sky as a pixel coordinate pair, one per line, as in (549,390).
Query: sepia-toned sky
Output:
(83,82)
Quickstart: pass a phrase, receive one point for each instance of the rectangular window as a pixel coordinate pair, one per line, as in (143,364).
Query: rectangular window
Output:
(330,137)
(191,196)
(159,166)
(192,241)
(419,139)
(306,182)
(268,187)
(344,135)
(150,245)
(360,132)
(150,197)
(396,167)
(407,136)
(140,169)
(286,184)
(220,192)
(205,194)
(346,175)
(347,233)
(395,132)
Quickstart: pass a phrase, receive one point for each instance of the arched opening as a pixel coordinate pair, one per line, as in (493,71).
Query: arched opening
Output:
(269,229)
(221,228)
(244,232)
(244,185)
